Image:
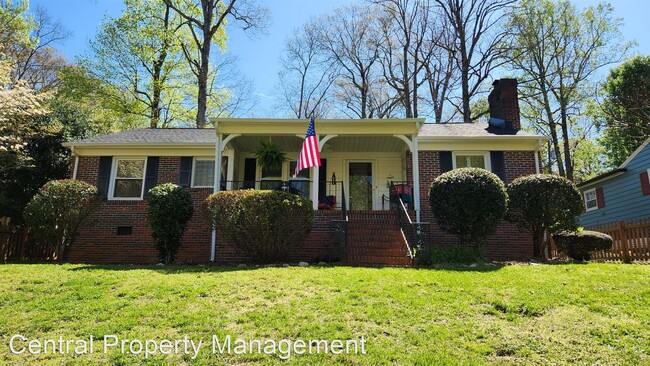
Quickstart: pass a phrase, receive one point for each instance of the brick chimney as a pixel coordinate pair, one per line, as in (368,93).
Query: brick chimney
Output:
(504,104)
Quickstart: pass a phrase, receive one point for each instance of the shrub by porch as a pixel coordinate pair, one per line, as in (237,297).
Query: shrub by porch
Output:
(265,225)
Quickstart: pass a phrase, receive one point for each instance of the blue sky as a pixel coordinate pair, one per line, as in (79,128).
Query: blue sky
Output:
(258,57)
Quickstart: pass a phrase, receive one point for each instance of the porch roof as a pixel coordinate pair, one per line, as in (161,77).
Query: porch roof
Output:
(275,126)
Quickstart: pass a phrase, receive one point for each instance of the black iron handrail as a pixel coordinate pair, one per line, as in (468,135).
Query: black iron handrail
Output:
(416,234)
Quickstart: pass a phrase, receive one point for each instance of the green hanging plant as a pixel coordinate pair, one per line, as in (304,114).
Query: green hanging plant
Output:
(270,155)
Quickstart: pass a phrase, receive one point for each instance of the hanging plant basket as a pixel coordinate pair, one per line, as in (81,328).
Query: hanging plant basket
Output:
(270,155)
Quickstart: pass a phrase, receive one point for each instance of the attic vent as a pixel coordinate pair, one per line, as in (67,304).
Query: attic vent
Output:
(124,230)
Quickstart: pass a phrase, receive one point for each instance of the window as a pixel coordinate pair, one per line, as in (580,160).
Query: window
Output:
(274,174)
(303,173)
(591,200)
(299,184)
(471,160)
(271,178)
(203,173)
(128,179)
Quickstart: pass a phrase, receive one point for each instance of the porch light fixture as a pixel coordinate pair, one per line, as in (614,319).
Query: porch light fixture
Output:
(333,178)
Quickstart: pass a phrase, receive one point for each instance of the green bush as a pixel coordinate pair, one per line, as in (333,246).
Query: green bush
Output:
(456,255)
(543,202)
(469,203)
(265,225)
(56,212)
(169,209)
(579,244)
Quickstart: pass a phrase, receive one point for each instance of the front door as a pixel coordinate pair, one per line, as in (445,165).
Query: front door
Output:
(360,185)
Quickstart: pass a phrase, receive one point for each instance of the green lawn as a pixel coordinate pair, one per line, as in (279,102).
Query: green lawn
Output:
(549,314)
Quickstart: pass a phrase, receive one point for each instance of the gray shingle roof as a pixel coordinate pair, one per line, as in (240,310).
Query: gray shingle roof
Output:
(156,136)
(463,130)
(207,135)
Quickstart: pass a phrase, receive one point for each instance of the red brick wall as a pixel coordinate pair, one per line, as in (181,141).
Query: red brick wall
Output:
(313,249)
(508,242)
(99,242)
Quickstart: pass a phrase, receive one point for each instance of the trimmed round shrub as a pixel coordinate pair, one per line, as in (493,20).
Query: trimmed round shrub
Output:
(264,225)
(579,244)
(169,209)
(542,202)
(469,203)
(56,212)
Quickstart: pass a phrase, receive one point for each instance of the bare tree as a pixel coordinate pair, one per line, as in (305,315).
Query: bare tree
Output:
(37,62)
(350,38)
(403,51)
(476,43)
(206,20)
(307,74)
(440,68)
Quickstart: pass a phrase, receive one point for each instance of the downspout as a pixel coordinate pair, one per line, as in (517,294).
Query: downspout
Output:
(539,144)
(216,188)
(76,163)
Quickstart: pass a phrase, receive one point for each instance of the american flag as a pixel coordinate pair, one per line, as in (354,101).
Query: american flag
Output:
(309,155)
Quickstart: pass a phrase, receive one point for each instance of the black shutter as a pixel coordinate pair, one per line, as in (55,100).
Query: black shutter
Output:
(322,179)
(151,176)
(104,175)
(446,163)
(186,171)
(498,164)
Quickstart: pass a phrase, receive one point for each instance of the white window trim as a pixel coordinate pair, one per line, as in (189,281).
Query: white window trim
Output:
(584,196)
(111,185)
(484,154)
(194,160)
(290,172)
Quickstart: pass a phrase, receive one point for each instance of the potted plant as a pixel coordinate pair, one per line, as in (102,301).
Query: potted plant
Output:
(270,157)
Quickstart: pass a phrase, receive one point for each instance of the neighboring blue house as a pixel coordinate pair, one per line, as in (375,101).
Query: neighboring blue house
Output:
(622,194)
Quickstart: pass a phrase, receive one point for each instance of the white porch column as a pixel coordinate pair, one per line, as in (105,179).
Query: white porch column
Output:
(218,151)
(416,176)
(218,156)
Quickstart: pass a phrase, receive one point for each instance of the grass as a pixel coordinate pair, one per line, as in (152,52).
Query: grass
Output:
(542,314)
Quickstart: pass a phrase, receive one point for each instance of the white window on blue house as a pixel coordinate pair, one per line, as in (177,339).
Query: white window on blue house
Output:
(591,200)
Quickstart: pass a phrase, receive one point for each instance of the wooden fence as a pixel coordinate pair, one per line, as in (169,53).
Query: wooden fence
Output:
(631,242)
(15,245)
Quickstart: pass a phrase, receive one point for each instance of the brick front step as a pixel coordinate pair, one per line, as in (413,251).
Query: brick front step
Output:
(377,252)
(375,239)
(363,238)
(371,260)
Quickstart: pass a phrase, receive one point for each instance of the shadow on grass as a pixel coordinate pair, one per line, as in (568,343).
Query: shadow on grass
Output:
(180,269)
(169,269)
(466,268)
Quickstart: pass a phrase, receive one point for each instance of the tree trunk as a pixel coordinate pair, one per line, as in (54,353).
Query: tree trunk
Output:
(567,146)
(204,67)
(538,243)
(552,127)
(157,75)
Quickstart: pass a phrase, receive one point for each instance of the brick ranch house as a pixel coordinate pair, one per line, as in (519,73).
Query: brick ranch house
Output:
(364,164)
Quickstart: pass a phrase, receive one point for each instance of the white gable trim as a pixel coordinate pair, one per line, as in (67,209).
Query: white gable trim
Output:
(634,154)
